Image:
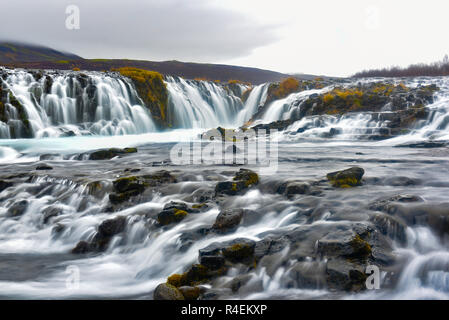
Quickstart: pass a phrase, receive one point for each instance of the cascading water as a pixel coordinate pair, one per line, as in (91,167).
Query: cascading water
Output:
(256,97)
(45,213)
(201,104)
(66,104)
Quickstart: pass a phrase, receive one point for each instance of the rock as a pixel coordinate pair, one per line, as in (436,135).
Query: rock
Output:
(166,291)
(172,215)
(293,188)
(17,209)
(390,226)
(347,178)
(5,185)
(230,188)
(307,275)
(81,248)
(131,186)
(387,204)
(111,227)
(212,262)
(106,154)
(190,293)
(44,167)
(228,219)
(51,212)
(344,244)
(242,180)
(345,275)
(106,230)
(239,251)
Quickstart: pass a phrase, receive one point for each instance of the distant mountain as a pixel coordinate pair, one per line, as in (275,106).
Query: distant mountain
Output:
(39,57)
(11,52)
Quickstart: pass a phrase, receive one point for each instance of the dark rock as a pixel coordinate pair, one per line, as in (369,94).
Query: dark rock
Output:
(387,204)
(242,180)
(212,262)
(18,208)
(390,226)
(107,154)
(44,167)
(172,215)
(344,243)
(111,227)
(190,293)
(345,275)
(82,247)
(166,291)
(5,185)
(51,212)
(347,178)
(228,219)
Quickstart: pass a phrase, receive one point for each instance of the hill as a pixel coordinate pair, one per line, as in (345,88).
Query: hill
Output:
(38,57)
(11,52)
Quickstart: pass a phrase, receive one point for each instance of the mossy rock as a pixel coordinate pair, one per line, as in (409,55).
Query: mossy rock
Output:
(242,180)
(152,90)
(238,252)
(106,154)
(190,293)
(170,216)
(165,291)
(348,178)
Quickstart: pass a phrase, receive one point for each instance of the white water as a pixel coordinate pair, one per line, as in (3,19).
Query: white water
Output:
(200,104)
(139,259)
(112,106)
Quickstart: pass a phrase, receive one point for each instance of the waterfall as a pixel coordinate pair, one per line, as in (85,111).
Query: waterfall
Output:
(201,104)
(72,103)
(257,96)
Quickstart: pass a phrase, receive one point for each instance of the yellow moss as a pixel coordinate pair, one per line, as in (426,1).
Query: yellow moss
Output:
(151,87)
(180,213)
(328,98)
(286,87)
(177,280)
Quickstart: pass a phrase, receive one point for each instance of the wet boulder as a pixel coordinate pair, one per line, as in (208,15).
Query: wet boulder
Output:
(344,244)
(166,291)
(5,185)
(344,275)
(106,230)
(190,293)
(351,177)
(17,209)
(390,226)
(228,219)
(51,212)
(44,167)
(388,204)
(106,154)
(173,212)
(242,180)
(212,262)
(82,247)
(127,187)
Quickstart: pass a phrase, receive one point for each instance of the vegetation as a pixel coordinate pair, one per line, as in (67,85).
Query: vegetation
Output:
(151,88)
(440,68)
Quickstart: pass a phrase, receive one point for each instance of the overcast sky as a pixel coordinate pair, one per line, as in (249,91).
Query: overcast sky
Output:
(319,37)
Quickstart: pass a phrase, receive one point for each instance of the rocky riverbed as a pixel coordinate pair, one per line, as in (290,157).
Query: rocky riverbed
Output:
(137,226)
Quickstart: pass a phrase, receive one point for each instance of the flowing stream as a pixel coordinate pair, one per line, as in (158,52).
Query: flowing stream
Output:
(57,208)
